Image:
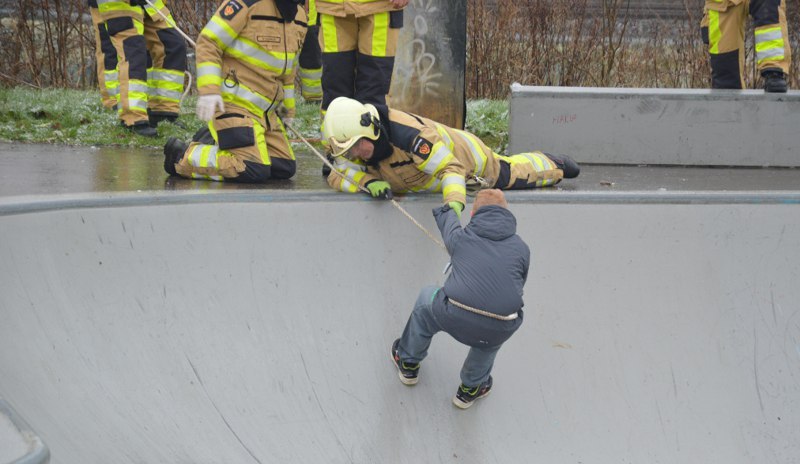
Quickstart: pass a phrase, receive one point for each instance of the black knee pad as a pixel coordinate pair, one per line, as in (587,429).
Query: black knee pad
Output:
(174,49)
(725,71)
(254,173)
(764,12)
(235,137)
(136,53)
(117,25)
(109,52)
(283,168)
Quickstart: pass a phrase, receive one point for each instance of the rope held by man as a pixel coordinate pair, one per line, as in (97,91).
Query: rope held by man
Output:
(393,201)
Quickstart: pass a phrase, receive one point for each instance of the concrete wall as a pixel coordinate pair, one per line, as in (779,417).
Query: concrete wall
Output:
(219,330)
(658,126)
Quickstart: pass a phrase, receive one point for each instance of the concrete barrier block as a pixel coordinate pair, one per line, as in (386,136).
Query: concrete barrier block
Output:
(658,126)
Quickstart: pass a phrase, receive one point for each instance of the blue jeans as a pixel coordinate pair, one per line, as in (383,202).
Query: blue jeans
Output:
(420,329)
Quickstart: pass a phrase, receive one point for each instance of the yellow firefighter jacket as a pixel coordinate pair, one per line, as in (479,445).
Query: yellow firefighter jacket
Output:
(113,9)
(355,8)
(425,157)
(248,54)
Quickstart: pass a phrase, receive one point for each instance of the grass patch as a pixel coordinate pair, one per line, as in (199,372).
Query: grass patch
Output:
(76,117)
(488,119)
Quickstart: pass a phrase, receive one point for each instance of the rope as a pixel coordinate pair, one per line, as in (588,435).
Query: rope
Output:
(172,24)
(300,136)
(363,189)
(187,89)
(481,312)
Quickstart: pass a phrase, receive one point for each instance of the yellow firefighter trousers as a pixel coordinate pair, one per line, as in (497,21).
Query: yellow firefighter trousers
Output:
(106,58)
(246,150)
(723,30)
(141,40)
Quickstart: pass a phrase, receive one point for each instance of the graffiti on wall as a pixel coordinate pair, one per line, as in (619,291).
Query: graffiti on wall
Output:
(429,67)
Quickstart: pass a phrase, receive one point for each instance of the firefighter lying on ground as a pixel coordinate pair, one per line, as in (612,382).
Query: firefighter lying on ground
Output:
(246,63)
(480,304)
(385,150)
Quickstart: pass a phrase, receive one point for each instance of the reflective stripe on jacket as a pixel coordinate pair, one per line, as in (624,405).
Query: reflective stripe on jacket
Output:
(426,156)
(248,54)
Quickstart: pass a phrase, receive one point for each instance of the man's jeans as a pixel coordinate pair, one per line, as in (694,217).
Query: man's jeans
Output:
(420,329)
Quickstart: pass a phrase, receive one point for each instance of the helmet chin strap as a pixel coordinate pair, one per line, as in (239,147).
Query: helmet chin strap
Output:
(368,119)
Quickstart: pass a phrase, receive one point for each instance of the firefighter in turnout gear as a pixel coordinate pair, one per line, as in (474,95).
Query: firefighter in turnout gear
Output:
(310,71)
(723,31)
(384,150)
(358,40)
(152,62)
(246,62)
(106,58)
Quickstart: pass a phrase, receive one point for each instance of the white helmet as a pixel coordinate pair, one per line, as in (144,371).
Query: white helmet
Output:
(346,121)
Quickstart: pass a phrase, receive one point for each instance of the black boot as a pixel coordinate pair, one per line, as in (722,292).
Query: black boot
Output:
(326,170)
(157,118)
(774,81)
(173,153)
(566,164)
(143,129)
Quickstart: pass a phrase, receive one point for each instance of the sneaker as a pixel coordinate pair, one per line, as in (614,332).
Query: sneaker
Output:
(406,371)
(566,164)
(143,129)
(465,395)
(173,153)
(775,82)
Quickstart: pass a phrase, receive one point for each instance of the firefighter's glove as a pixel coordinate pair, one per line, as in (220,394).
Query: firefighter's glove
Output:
(456,206)
(208,105)
(288,122)
(379,189)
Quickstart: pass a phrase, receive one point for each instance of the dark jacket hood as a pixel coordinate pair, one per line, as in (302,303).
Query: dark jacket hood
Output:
(493,222)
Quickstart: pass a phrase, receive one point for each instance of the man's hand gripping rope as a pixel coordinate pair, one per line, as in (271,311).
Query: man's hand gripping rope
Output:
(363,189)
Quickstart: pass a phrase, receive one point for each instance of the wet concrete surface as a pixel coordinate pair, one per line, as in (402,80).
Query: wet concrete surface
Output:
(36,169)
(179,326)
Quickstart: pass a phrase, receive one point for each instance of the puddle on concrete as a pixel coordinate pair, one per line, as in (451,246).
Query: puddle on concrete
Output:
(47,169)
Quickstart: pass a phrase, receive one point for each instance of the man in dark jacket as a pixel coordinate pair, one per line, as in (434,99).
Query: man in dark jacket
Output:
(480,304)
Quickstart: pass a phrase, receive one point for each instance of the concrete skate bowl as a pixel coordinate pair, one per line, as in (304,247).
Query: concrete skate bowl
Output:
(255,328)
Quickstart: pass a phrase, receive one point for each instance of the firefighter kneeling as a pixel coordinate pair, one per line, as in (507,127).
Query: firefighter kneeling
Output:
(245,71)
(384,150)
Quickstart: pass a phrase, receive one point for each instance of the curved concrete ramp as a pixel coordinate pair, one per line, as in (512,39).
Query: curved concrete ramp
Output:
(255,328)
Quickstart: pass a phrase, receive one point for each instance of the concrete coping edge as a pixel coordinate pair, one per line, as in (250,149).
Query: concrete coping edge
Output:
(521,91)
(32,204)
